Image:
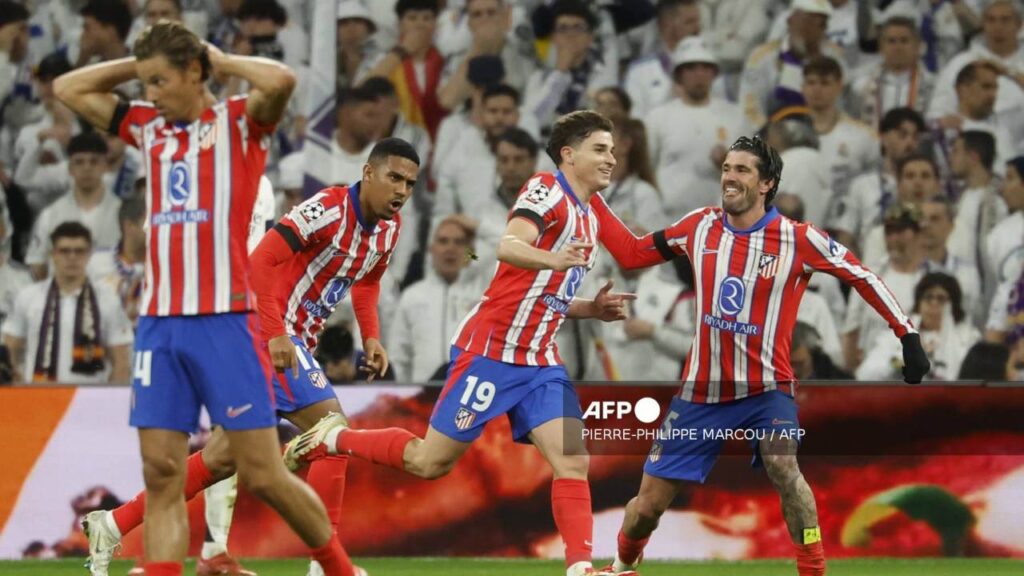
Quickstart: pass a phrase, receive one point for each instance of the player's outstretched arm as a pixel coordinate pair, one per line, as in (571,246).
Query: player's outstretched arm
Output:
(629,250)
(516,248)
(270,82)
(822,253)
(89,91)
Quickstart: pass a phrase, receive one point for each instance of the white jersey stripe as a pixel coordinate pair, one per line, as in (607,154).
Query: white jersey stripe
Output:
(222,211)
(164,232)
(189,236)
(147,293)
(700,234)
(739,359)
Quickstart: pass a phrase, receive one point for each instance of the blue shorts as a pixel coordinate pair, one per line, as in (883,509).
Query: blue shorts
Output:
(479,389)
(682,451)
(184,362)
(310,387)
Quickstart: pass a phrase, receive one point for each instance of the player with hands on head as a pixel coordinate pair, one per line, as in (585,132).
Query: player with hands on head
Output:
(204,161)
(751,266)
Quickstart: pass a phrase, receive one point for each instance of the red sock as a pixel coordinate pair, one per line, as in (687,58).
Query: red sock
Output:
(629,549)
(385,446)
(327,478)
(197,478)
(162,568)
(574,517)
(810,559)
(333,559)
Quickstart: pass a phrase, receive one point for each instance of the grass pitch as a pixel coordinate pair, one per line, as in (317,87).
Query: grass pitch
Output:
(501,567)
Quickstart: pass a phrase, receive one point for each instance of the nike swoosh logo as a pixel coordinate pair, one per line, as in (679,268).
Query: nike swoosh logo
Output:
(588,544)
(705,251)
(236,412)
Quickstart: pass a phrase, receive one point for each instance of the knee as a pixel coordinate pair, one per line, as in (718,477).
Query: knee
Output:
(433,469)
(162,472)
(259,483)
(647,508)
(576,466)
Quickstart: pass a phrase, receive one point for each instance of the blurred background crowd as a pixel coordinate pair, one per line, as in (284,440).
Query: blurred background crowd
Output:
(900,122)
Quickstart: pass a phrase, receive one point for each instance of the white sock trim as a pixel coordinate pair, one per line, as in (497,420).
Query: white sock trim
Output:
(578,568)
(108,518)
(211,549)
(331,440)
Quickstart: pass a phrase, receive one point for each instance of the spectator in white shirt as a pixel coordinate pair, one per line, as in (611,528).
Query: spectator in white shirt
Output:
(977,87)
(122,269)
(66,329)
(515,153)
(359,121)
(88,202)
(937,223)
(1004,247)
(13,276)
(734,28)
(649,79)
(581,67)
(464,181)
(980,206)
(105,27)
(900,271)
(872,192)
(805,171)
(490,26)
(918,180)
(429,311)
(849,146)
(37,158)
(631,194)
(773,74)
(688,161)
(13,43)
(355,44)
(999,42)
(945,333)
(899,80)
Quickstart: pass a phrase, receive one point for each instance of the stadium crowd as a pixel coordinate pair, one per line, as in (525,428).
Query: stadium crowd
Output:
(900,123)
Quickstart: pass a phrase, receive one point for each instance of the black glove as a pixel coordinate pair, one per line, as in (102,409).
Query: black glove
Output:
(915,361)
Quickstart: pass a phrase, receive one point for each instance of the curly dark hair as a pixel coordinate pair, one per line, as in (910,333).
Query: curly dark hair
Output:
(769,164)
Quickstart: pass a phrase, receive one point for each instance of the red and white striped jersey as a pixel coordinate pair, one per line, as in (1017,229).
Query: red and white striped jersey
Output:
(201,183)
(516,320)
(748,289)
(335,249)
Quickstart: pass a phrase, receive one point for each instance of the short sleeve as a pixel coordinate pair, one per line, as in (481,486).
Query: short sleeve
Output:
(237,108)
(129,118)
(538,202)
(312,219)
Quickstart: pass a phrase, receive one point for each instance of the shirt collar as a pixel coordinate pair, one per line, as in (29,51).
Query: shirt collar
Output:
(765,220)
(568,190)
(353,195)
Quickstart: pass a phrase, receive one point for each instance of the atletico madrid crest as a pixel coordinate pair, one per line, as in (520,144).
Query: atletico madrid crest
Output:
(207,135)
(464,419)
(318,379)
(768,265)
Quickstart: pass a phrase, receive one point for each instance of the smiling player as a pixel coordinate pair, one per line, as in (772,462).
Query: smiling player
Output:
(751,266)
